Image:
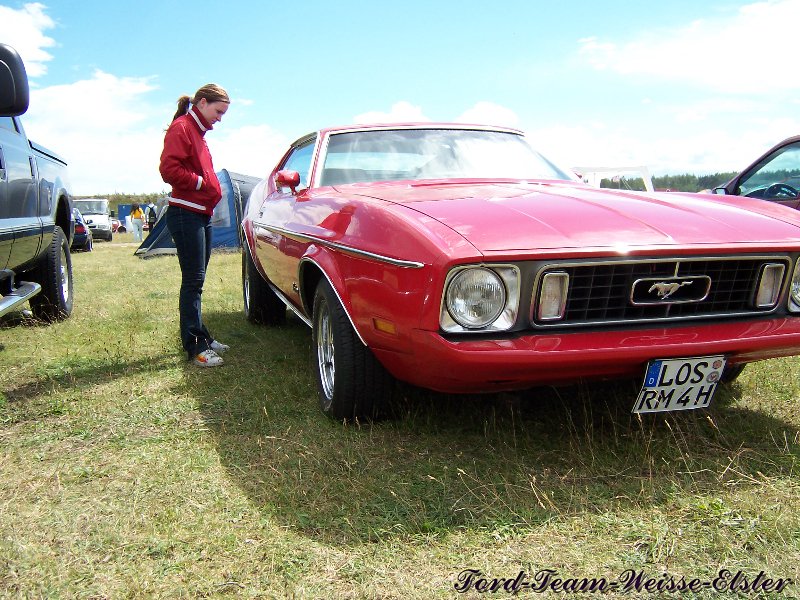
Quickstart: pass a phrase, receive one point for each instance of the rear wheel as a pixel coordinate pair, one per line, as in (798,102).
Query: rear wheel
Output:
(261,304)
(351,383)
(54,274)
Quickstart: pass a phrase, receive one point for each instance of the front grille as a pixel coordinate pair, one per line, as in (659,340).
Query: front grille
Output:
(601,292)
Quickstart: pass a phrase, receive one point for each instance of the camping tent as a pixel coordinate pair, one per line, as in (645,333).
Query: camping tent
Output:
(225,221)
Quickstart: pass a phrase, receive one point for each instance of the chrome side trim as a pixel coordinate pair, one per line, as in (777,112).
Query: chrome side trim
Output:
(289,305)
(302,237)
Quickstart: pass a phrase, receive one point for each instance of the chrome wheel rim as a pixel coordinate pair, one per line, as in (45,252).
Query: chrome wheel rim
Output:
(64,277)
(247,292)
(325,355)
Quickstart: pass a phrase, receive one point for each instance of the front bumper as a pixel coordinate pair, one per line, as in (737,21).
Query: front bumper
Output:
(490,365)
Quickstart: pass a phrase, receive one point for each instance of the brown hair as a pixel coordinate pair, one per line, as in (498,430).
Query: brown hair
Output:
(210,91)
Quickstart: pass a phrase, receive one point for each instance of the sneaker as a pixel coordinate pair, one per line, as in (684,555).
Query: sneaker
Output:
(209,358)
(219,347)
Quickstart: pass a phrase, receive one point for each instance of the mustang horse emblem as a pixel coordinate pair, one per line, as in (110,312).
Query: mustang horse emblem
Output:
(665,290)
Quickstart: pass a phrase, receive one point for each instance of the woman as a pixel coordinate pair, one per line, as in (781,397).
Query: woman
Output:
(137,222)
(186,165)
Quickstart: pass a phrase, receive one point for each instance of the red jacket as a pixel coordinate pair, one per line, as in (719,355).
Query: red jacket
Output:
(186,165)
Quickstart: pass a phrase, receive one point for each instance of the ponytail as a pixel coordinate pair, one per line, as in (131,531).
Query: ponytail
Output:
(183,106)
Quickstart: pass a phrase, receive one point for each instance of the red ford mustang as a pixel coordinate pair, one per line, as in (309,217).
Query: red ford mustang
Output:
(457,258)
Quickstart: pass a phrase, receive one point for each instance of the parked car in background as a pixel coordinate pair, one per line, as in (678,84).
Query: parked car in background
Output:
(774,176)
(36,226)
(457,258)
(82,240)
(98,216)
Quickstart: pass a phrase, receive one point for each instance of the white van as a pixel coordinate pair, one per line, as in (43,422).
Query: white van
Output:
(97,215)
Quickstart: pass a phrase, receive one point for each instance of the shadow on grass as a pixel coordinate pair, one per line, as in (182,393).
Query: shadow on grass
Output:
(502,463)
(27,400)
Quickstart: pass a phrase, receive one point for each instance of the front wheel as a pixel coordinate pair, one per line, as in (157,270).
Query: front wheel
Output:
(54,274)
(351,383)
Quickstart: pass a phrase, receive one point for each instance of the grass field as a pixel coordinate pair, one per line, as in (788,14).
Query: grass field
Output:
(127,473)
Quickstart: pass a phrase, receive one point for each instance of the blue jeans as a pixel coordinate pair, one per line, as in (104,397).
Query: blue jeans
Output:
(191,233)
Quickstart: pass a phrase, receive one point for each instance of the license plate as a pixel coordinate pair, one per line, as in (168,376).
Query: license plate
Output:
(679,384)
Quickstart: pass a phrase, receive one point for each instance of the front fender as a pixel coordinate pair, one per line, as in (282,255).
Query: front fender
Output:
(385,303)
(316,264)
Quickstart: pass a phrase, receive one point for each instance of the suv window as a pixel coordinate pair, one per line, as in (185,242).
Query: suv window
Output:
(778,177)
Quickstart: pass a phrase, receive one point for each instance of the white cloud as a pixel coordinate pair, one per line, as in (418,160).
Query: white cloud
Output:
(718,107)
(400,112)
(105,129)
(251,150)
(751,51)
(708,150)
(488,113)
(23,30)
(482,113)
(112,137)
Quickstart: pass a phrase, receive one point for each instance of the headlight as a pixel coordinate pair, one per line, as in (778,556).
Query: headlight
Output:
(481,298)
(794,289)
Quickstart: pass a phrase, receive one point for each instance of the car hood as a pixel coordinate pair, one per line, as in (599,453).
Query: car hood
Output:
(502,217)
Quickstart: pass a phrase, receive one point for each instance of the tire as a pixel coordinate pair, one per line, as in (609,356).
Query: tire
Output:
(351,383)
(54,274)
(261,304)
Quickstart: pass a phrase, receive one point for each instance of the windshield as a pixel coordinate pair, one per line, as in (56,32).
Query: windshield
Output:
(432,154)
(778,177)
(92,207)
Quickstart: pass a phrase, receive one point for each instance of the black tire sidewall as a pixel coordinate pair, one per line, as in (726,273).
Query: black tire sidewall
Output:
(51,304)
(261,305)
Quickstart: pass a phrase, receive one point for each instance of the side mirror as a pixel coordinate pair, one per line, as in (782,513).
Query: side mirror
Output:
(719,190)
(290,179)
(14,96)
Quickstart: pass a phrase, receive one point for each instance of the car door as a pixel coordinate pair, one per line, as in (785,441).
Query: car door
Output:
(6,230)
(282,210)
(774,177)
(21,210)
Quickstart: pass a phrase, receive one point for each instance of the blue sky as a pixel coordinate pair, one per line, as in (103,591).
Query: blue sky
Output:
(679,86)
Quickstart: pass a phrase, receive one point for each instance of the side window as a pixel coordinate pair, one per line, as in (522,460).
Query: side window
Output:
(778,177)
(8,123)
(300,161)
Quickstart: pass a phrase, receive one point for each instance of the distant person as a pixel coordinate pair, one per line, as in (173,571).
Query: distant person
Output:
(152,217)
(137,222)
(186,165)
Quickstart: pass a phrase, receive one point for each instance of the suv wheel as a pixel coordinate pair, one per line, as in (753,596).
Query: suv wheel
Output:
(54,274)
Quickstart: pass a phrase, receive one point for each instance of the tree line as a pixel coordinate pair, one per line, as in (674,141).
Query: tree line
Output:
(674,183)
